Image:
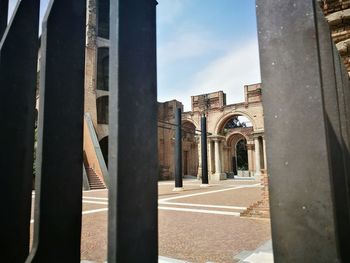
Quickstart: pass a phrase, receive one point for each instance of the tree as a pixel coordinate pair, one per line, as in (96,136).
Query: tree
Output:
(235,123)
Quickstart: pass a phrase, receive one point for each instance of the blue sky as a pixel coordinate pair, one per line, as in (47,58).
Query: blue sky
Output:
(203,46)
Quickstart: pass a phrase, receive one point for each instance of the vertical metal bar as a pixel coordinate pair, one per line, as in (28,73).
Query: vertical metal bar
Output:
(60,148)
(133,162)
(18,61)
(4,9)
(204,150)
(178,150)
(336,145)
(301,195)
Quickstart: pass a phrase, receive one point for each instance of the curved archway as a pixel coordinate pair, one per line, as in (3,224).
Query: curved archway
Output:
(237,153)
(190,149)
(195,124)
(188,130)
(104,149)
(102,104)
(221,123)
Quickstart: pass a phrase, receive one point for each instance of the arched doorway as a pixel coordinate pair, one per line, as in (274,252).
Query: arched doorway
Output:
(238,155)
(104,149)
(241,156)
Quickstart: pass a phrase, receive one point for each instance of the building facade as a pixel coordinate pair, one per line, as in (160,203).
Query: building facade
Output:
(224,159)
(236,144)
(232,149)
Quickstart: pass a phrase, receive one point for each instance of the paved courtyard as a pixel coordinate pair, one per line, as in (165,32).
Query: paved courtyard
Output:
(196,225)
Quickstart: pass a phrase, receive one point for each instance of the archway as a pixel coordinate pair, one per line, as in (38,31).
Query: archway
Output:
(234,120)
(238,130)
(237,154)
(241,155)
(190,149)
(104,149)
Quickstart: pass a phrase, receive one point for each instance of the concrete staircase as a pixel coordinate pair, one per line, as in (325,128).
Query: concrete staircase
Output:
(94,181)
(259,209)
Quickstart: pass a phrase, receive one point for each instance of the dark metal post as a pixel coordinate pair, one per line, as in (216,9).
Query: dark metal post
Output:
(204,150)
(178,150)
(133,158)
(18,64)
(58,200)
(4,7)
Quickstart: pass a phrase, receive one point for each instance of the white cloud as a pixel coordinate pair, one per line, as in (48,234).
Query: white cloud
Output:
(185,45)
(229,73)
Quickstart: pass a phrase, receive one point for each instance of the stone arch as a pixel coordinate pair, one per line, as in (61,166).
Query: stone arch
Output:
(183,120)
(224,119)
(234,158)
(190,148)
(231,140)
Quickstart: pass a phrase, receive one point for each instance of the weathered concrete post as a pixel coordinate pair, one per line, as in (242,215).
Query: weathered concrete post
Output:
(204,151)
(178,151)
(307,177)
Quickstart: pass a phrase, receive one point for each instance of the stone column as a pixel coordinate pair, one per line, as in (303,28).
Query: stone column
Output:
(217,157)
(199,147)
(257,158)
(264,149)
(250,158)
(219,175)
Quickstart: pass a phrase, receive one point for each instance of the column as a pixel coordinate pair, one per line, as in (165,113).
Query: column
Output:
(219,175)
(199,147)
(264,149)
(250,159)
(178,151)
(217,157)
(257,157)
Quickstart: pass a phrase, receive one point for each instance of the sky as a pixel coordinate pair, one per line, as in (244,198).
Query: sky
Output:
(203,46)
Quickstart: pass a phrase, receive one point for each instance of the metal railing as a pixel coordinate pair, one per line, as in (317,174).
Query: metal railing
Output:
(132,230)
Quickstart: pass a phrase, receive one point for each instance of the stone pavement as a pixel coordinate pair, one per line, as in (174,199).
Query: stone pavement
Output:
(263,254)
(195,225)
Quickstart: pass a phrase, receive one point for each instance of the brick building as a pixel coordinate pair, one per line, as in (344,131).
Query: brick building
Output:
(222,153)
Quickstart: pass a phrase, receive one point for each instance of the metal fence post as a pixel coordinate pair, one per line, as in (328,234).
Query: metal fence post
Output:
(18,61)
(133,159)
(302,133)
(178,150)
(204,151)
(4,6)
(58,200)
